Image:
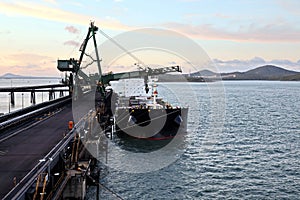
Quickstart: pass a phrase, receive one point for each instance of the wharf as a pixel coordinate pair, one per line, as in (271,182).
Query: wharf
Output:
(19,154)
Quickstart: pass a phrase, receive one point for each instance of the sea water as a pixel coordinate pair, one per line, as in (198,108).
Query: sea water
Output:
(243,142)
(22,99)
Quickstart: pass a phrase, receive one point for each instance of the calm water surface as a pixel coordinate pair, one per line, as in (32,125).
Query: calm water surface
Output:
(40,96)
(254,153)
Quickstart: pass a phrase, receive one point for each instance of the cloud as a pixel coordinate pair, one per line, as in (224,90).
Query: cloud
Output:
(22,57)
(244,65)
(55,14)
(291,6)
(72,43)
(77,4)
(284,62)
(51,1)
(72,29)
(235,62)
(30,70)
(279,31)
(192,16)
(222,16)
(5,32)
(27,67)
(172,63)
(115,68)
(29,64)
(190,0)
(272,32)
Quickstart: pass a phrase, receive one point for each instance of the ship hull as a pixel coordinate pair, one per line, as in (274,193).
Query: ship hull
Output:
(150,124)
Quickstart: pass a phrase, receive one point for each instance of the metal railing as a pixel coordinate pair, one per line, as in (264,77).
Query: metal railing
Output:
(25,116)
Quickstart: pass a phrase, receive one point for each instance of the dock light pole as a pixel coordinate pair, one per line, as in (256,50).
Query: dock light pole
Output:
(49,166)
(8,102)
(22,100)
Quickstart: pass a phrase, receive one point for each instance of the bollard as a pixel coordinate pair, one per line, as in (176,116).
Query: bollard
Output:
(15,181)
(70,125)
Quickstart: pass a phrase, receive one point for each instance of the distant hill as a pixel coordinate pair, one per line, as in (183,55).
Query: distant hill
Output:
(267,72)
(204,73)
(10,75)
(15,76)
(171,78)
(291,78)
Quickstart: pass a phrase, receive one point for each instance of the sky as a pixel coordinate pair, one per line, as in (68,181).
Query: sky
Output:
(236,35)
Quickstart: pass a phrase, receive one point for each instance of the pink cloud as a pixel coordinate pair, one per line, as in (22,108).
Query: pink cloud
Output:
(281,32)
(291,6)
(71,43)
(30,70)
(28,64)
(55,14)
(72,29)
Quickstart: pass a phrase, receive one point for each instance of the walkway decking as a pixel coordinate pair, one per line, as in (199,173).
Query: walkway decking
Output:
(19,154)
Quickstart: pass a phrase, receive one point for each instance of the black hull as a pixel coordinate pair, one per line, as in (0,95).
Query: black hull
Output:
(153,124)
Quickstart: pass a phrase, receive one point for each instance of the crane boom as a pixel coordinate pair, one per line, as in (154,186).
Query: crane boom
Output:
(105,79)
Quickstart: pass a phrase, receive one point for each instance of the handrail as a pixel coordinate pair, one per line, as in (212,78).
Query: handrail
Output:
(26,116)
(30,88)
(28,109)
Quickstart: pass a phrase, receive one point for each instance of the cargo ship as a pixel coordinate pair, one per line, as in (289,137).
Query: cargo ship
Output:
(145,116)
(141,116)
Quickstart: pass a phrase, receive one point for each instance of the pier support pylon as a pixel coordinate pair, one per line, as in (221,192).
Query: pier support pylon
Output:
(32,97)
(51,95)
(61,93)
(12,98)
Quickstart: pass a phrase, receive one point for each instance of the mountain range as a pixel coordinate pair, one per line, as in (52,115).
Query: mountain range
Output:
(266,72)
(15,76)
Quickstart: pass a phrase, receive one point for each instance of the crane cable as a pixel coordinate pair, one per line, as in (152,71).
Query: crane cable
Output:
(123,48)
(88,64)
